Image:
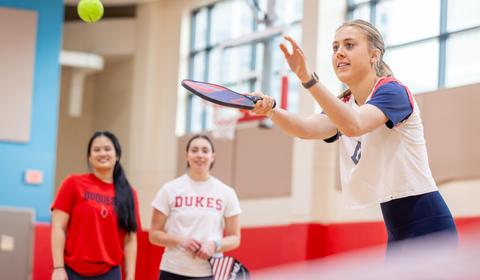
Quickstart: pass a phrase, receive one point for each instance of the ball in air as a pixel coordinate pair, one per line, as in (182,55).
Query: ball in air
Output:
(90,10)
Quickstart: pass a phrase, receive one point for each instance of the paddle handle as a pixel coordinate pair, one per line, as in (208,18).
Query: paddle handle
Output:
(255,99)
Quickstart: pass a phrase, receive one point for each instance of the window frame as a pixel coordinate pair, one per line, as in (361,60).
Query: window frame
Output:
(250,80)
(442,37)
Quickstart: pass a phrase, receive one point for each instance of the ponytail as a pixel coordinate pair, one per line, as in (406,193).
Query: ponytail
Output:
(382,69)
(345,94)
(124,202)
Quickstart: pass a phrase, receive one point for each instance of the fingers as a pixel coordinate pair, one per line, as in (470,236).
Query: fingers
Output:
(292,42)
(202,255)
(264,106)
(300,52)
(206,251)
(285,51)
(194,246)
(295,47)
(266,103)
(190,245)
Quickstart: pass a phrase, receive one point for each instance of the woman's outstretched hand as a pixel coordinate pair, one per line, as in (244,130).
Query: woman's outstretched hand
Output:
(296,60)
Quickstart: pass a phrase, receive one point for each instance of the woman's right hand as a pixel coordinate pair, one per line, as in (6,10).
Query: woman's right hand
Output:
(190,245)
(263,106)
(59,274)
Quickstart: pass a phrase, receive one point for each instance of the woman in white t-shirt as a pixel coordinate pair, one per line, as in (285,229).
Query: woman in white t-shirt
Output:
(382,153)
(191,214)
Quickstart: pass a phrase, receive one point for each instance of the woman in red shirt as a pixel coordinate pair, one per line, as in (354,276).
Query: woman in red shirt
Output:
(94,218)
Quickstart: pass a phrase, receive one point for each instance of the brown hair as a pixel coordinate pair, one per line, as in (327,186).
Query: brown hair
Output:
(376,42)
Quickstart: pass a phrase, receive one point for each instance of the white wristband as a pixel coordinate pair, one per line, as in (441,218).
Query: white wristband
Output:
(218,245)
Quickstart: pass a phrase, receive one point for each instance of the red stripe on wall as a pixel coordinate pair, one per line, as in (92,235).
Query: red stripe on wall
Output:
(42,255)
(148,259)
(353,236)
(261,247)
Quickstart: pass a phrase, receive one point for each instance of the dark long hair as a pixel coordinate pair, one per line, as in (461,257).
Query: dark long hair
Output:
(124,202)
(201,136)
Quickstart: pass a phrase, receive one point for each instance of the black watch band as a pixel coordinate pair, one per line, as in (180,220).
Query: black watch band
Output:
(311,82)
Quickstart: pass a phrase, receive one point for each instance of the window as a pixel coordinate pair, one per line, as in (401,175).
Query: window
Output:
(403,59)
(463,14)
(462,64)
(232,44)
(429,43)
(361,12)
(402,21)
(230,19)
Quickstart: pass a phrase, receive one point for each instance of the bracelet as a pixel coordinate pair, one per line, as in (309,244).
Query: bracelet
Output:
(218,245)
(58,267)
(313,80)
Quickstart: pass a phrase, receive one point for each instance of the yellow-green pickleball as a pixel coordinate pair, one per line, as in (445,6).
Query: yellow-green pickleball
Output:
(90,10)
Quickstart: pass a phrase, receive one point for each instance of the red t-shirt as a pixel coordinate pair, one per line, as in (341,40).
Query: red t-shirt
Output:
(94,242)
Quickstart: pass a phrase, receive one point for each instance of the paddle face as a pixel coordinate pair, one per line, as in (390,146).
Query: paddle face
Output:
(220,95)
(228,268)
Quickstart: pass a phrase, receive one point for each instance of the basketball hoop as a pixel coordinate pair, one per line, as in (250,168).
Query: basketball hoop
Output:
(225,122)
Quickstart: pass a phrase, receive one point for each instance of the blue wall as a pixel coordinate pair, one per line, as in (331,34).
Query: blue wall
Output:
(40,152)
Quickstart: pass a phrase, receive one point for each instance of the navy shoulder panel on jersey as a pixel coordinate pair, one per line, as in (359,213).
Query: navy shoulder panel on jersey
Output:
(392,98)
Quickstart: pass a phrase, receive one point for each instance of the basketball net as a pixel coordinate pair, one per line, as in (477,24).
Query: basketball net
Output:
(225,122)
(225,119)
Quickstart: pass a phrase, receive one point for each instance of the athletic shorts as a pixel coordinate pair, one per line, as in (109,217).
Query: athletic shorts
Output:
(113,274)
(417,216)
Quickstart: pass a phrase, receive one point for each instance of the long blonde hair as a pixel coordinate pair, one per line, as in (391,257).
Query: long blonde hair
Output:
(376,42)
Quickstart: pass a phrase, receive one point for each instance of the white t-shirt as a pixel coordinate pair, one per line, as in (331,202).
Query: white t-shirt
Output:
(391,161)
(197,210)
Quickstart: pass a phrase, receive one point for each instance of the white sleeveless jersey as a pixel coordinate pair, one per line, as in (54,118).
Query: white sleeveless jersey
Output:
(386,163)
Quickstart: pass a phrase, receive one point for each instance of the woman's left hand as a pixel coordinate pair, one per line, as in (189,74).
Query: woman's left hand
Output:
(296,59)
(206,251)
